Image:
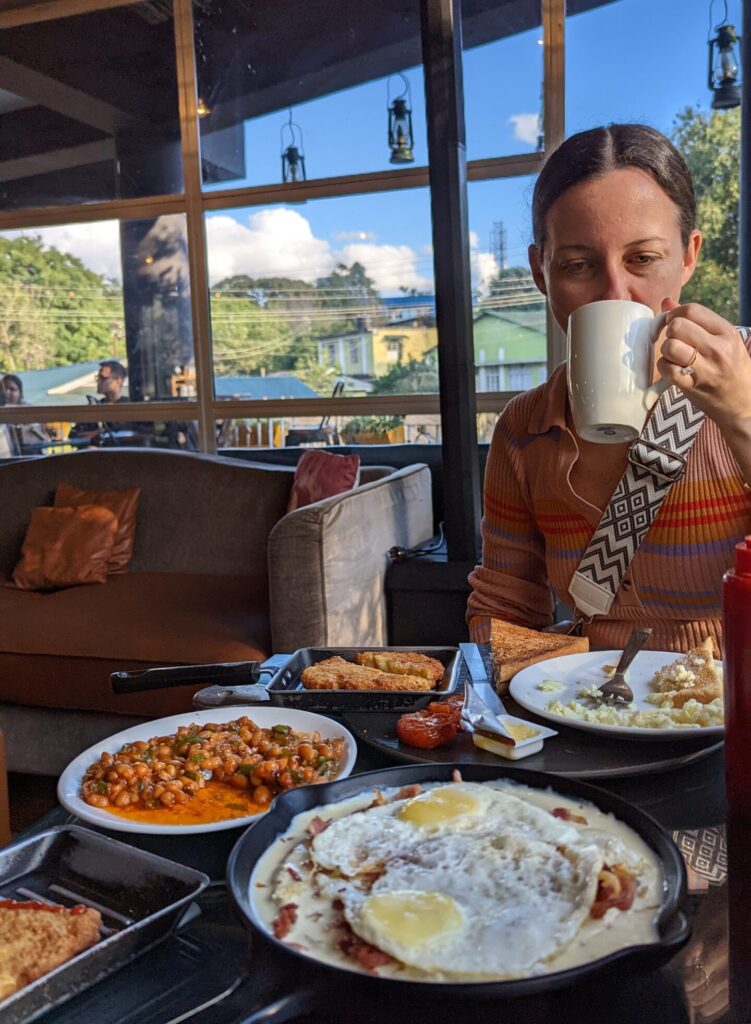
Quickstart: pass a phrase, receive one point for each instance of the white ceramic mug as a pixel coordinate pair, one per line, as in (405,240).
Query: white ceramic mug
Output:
(609,369)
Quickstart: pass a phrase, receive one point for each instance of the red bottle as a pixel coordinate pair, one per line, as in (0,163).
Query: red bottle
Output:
(736,606)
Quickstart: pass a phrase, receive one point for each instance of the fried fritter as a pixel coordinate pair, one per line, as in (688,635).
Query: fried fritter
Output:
(408,663)
(691,677)
(338,674)
(35,940)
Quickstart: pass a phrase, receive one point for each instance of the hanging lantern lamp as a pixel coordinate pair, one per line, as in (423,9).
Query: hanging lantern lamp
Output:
(401,138)
(722,77)
(293,158)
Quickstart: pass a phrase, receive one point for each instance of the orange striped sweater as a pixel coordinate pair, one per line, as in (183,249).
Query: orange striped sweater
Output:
(535,529)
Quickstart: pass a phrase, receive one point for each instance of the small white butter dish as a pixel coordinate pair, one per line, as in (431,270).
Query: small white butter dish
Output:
(525,738)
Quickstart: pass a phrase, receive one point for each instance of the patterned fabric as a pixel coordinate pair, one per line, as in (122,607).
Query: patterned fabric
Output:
(656,461)
(536,528)
(705,852)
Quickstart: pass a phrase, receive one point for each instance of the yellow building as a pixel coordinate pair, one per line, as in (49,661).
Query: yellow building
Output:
(372,353)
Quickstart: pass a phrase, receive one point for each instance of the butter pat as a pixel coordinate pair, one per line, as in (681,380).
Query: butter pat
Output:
(509,750)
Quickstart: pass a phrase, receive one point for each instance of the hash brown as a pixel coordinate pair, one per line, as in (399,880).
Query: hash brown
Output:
(408,663)
(34,939)
(338,674)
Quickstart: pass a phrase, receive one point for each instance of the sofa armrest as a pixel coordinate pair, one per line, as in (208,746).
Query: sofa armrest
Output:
(328,561)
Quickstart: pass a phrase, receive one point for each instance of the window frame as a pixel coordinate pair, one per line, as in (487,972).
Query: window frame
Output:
(206,409)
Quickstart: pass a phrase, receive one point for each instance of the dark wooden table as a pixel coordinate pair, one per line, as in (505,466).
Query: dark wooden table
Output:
(209,973)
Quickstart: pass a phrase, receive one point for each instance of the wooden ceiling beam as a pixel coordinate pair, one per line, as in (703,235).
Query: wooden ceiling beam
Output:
(63,99)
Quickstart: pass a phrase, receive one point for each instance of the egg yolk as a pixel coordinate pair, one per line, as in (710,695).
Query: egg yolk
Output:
(412,918)
(439,805)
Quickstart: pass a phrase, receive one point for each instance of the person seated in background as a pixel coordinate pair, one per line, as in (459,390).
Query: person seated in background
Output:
(110,381)
(8,446)
(30,437)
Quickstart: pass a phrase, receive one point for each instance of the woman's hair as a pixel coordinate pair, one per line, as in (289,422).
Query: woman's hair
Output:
(14,379)
(593,153)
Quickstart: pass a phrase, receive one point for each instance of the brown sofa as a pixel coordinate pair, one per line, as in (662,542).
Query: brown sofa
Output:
(219,572)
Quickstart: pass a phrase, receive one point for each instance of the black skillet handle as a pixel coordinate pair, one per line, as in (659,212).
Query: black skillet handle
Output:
(237,672)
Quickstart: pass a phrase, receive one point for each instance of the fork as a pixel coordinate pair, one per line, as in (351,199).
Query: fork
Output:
(617,688)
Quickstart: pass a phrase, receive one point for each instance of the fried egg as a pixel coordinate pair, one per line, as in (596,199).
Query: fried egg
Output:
(364,841)
(491,905)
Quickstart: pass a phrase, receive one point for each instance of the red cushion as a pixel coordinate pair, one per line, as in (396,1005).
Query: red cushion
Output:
(321,474)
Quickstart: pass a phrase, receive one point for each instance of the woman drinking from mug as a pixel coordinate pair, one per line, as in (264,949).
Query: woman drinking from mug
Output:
(614,218)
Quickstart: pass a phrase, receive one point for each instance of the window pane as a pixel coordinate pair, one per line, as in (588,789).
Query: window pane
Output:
(48,438)
(503,65)
(509,312)
(88,108)
(336,294)
(669,92)
(308,432)
(333,68)
(74,295)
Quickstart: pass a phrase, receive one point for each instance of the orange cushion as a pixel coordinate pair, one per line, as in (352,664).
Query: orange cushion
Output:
(320,474)
(122,503)
(64,547)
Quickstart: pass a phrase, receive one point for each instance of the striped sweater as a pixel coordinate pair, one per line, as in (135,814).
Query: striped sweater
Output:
(536,528)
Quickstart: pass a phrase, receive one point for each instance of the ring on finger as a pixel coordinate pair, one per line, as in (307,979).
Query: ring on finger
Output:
(688,370)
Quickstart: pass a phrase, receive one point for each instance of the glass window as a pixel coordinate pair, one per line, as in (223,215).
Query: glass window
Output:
(503,67)
(333,291)
(508,310)
(54,438)
(88,108)
(333,76)
(75,296)
(314,432)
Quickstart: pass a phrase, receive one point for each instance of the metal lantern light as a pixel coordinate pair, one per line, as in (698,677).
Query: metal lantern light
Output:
(293,158)
(401,138)
(722,77)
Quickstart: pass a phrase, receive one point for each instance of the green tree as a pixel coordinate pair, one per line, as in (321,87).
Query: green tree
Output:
(416,376)
(710,143)
(53,309)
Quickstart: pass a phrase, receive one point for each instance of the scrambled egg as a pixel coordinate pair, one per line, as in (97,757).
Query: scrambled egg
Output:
(691,715)
(550,686)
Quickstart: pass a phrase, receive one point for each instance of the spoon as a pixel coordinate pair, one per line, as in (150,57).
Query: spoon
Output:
(617,688)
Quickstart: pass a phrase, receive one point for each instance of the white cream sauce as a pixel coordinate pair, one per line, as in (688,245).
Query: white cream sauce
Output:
(284,874)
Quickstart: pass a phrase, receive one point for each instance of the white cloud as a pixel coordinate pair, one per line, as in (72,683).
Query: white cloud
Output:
(390,266)
(275,242)
(484,267)
(526,127)
(355,236)
(97,244)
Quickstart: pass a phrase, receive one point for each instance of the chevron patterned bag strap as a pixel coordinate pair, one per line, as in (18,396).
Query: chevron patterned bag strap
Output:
(656,460)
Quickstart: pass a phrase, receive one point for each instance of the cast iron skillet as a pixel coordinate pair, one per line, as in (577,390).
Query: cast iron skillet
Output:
(673,926)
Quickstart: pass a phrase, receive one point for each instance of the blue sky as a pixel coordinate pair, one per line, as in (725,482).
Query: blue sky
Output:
(641,60)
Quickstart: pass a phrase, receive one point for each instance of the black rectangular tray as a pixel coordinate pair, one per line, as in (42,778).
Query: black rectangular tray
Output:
(286,688)
(140,896)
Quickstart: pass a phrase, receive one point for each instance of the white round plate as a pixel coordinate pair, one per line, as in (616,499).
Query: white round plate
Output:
(575,671)
(69,785)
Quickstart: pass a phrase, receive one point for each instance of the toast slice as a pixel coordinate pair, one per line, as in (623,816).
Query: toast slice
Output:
(513,648)
(35,938)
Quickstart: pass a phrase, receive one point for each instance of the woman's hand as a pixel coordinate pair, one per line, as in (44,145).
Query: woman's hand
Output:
(721,382)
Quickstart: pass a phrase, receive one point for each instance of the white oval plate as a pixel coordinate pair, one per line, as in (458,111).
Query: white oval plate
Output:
(577,670)
(69,785)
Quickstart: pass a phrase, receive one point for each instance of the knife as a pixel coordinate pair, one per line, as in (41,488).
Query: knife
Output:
(495,723)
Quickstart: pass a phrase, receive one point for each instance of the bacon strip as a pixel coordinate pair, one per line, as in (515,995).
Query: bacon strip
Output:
(566,815)
(616,887)
(318,825)
(285,920)
(357,949)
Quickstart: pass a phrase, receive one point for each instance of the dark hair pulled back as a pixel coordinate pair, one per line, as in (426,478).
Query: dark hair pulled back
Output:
(593,153)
